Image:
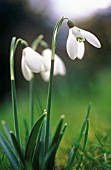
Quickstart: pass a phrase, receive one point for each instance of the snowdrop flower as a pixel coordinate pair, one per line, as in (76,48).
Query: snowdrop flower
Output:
(75,42)
(59,66)
(31,62)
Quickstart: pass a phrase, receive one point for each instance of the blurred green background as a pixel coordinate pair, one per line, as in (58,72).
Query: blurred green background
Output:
(86,81)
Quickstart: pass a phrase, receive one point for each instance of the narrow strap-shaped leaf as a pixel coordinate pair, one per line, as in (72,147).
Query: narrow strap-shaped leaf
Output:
(28,166)
(42,146)
(15,110)
(32,138)
(9,152)
(59,140)
(38,149)
(58,130)
(50,156)
(36,156)
(26,131)
(6,130)
(17,147)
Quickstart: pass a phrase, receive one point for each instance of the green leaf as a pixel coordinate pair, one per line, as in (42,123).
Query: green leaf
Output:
(32,139)
(42,144)
(26,131)
(15,110)
(28,166)
(9,152)
(6,130)
(17,147)
(50,156)
(39,152)
(58,130)
(36,155)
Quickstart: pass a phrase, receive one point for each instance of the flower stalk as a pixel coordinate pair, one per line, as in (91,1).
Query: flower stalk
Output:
(31,101)
(36,42)
(13,47)
(48,106)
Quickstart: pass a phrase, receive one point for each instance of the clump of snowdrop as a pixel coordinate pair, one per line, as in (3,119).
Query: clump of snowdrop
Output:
(75,42)
(40,148)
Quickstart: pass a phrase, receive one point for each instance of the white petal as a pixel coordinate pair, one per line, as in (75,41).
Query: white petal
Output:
(71,45)
(59,67)
(81,50)
(91,38)
(45,75)
(27,73)
(47,58)
(33,60)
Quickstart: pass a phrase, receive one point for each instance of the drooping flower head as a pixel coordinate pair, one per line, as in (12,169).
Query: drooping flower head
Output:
(31,62)
(75,42)
(59,66)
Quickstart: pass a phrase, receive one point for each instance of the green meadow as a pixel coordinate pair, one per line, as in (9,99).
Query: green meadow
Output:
(70,99)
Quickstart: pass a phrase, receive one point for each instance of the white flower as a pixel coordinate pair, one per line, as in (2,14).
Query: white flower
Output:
(59,66)
(31,62)
(75,42)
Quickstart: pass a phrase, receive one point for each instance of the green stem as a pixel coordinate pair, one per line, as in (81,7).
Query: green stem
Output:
(48,107)
(15,112)
(34,46)
(31,102)
(13,47)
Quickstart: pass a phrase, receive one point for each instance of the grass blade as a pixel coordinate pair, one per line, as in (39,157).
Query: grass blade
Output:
(76,145)
(97,162)
(84,144)
(70,159)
